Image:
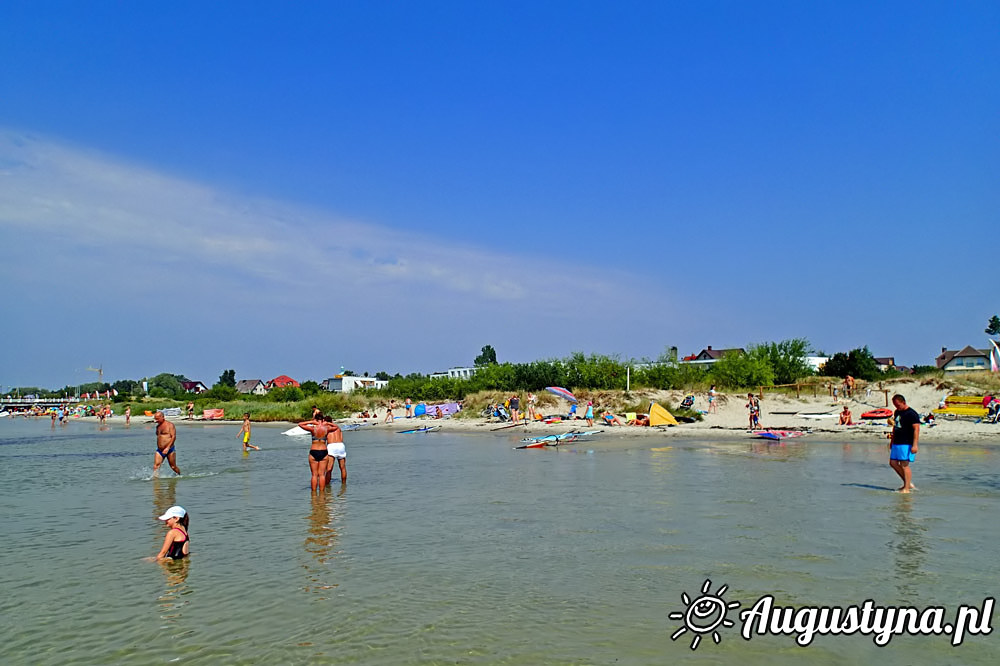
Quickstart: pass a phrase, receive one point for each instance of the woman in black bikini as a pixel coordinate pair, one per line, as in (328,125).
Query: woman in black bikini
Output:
(176,545)
(318,428)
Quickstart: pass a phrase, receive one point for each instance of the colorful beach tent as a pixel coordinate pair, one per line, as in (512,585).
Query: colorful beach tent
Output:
(446,409)
(420,410)
(659,416)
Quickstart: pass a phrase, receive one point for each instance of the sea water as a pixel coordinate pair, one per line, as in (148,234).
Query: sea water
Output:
(457,548)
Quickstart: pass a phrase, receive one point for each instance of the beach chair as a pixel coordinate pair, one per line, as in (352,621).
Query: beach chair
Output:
(688,401)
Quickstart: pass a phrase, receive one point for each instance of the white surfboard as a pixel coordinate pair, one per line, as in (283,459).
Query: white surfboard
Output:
(295,430)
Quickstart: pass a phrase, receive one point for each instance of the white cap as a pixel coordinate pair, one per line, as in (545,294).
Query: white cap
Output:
(173,512)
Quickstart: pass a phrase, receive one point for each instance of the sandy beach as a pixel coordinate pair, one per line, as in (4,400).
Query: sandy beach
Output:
(731,421)
(778,411)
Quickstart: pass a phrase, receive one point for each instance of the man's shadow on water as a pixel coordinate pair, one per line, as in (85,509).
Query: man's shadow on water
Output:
(868,486)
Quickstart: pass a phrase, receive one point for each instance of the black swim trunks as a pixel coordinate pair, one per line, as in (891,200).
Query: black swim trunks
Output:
(318,455)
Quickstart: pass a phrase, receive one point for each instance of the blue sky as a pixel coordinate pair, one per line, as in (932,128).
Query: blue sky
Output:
(292,188)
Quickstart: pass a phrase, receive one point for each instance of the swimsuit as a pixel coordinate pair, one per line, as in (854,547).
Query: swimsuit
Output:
(164,455)
(246,437)
(902,452)
(319,455)
(337,450)
(176,550)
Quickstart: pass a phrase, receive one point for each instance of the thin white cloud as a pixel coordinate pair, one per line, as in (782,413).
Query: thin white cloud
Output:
(93,210)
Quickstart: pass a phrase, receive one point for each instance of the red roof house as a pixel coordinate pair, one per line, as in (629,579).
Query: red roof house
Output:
(280,381)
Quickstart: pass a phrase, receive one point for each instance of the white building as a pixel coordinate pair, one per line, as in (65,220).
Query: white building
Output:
(817,362)
(348,383)
(455,373)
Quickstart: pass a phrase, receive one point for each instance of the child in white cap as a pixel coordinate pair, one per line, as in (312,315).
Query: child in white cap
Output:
(176,545)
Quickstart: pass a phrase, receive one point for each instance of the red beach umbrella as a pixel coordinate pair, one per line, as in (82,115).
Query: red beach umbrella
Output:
(561,392)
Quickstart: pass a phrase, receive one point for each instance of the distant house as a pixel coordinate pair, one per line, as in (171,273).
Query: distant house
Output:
(885,363)
(194,387)
(254,386)
(966,359)
(348,383)
(280,381)
(708,356)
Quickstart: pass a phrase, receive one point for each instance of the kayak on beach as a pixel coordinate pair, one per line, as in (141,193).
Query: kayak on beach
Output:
(542,442)
(413,430)
(778,435)
(553,440)
(877,414)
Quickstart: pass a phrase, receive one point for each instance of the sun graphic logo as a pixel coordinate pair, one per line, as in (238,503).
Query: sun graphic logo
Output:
(704,615)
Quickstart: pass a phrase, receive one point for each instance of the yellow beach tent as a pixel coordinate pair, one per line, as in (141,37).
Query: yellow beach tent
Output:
(660,416)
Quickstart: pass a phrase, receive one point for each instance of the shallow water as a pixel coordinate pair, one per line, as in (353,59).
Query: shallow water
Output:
(450,548)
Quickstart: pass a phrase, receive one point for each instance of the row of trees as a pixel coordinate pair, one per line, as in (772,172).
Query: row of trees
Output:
(762,365)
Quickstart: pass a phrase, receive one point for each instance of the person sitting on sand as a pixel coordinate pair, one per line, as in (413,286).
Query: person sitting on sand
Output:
(572,412)
(438,414)
(610,419)
(640,420)
(845,417)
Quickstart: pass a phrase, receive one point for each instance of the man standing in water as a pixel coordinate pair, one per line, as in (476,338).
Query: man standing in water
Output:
(903,441)
(166,435)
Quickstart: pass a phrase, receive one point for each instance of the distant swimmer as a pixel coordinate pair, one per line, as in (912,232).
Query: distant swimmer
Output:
(166,436)
(318,428)
(335,450)
(245,431)
(177,544)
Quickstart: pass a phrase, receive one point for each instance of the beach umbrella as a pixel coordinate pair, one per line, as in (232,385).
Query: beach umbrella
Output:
(561,392)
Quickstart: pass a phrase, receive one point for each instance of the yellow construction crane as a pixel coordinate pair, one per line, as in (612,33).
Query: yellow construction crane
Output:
(100,374)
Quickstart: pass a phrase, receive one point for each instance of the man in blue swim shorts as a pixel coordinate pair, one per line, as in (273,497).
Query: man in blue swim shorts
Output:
(166,435)
(903,441)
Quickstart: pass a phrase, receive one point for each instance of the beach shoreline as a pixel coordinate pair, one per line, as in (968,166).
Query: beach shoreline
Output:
(778,412)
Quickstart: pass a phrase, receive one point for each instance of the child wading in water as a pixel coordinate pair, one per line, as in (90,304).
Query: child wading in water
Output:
(176,545)
(245,432)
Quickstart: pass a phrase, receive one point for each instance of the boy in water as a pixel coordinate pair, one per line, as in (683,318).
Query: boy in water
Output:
(245,431)
(335,450)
